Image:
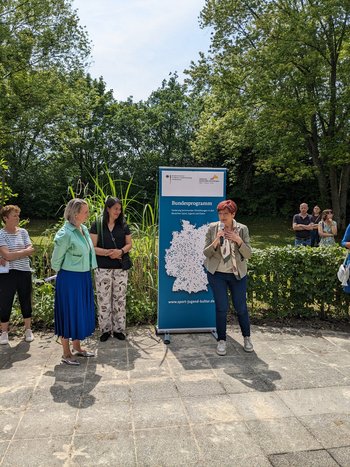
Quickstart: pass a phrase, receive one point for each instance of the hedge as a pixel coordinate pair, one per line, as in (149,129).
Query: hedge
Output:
(297,281)
(283,282)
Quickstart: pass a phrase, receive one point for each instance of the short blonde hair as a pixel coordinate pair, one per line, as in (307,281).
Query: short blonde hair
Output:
(73,208)
(5,211)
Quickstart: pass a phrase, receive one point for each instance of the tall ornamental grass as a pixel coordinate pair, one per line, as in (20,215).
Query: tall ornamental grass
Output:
(143,222)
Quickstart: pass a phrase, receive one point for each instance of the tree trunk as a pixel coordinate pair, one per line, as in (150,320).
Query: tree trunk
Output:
(312,145)
(339,194)
(333,180)
(343,195)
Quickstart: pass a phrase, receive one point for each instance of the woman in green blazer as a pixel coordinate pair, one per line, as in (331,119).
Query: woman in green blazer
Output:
(73,258)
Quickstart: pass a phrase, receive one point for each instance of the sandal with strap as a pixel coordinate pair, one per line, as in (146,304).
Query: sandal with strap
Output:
(70,361)
(83,353)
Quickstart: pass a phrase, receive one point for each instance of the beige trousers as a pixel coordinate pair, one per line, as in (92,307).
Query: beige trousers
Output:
(111,287)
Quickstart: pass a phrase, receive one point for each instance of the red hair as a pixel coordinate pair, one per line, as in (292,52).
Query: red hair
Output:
(228,204)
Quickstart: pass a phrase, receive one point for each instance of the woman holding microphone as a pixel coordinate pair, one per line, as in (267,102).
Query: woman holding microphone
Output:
(227,248)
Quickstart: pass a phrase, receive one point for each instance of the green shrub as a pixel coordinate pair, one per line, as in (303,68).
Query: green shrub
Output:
(142,286)
(301,281)
(283,281)
(43,298)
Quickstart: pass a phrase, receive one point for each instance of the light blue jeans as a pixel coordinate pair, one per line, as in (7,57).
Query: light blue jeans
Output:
(302,242)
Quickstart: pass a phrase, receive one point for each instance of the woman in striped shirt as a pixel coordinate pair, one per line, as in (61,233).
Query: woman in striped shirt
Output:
(15,249)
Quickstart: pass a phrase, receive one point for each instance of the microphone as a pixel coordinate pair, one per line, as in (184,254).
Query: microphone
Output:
(222,226)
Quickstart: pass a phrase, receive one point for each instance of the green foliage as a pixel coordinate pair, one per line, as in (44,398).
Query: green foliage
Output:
(283,281)
(43,298)
(297,281)
(278,103)
(43,305)
(41,46)
(143,222)
(142,291)
(5,190)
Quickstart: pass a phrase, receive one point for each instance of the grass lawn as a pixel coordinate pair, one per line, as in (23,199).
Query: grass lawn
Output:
(36,227)
(264,232)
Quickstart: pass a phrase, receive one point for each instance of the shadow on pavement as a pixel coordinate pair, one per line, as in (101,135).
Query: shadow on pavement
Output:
(253,372)
(71,385)
(10,355)
(247,368)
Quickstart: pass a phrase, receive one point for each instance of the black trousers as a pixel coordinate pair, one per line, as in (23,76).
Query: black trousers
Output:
(10,283)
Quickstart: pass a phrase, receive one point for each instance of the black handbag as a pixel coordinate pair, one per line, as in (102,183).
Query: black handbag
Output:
(126,262)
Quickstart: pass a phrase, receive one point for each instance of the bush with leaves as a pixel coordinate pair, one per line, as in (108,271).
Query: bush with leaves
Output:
(298,282)
(283,281)
(142,283)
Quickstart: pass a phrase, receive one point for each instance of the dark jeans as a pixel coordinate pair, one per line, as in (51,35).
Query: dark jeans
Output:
(302,242)
(315,238)
(10,283)
(221,283)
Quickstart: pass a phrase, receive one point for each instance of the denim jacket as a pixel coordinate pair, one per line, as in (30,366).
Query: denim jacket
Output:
(71,251)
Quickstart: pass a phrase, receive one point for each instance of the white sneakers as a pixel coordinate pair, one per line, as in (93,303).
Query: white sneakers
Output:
(4,338)
(221,348)
(248,346)
(28,335)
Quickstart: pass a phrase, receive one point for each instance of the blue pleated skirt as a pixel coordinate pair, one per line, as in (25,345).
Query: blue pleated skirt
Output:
(74,305)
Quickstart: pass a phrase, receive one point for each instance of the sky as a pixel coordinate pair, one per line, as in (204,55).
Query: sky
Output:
(137,43)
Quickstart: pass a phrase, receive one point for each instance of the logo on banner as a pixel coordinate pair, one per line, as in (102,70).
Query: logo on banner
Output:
(209,181)
(199,183)
(178,177)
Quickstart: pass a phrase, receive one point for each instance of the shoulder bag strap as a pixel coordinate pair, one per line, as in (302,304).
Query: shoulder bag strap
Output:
(99,227)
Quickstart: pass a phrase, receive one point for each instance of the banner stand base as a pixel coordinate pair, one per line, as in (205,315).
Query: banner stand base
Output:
(167,332)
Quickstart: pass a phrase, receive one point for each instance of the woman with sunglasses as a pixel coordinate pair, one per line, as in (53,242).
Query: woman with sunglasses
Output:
(327,228)
(111,238)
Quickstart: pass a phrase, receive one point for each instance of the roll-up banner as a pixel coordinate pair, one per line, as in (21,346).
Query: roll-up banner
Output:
(187,204)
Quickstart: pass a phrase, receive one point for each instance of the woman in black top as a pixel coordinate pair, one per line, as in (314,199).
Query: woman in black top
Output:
(112,241)
(315,218)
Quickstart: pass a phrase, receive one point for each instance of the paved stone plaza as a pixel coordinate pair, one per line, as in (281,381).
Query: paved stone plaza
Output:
(141,403)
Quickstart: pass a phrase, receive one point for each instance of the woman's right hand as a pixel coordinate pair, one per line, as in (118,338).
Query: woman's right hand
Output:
(30,250)
(220,234)
(115,254)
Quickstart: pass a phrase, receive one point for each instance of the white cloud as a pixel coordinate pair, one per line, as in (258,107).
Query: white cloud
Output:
(136,43)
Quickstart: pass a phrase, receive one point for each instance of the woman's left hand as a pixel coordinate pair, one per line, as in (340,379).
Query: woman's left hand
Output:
(233,236)
(116,254)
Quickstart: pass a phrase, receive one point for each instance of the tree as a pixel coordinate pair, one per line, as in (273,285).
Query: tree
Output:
(5,190)
(152,133)
(41,44)
(278,75)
